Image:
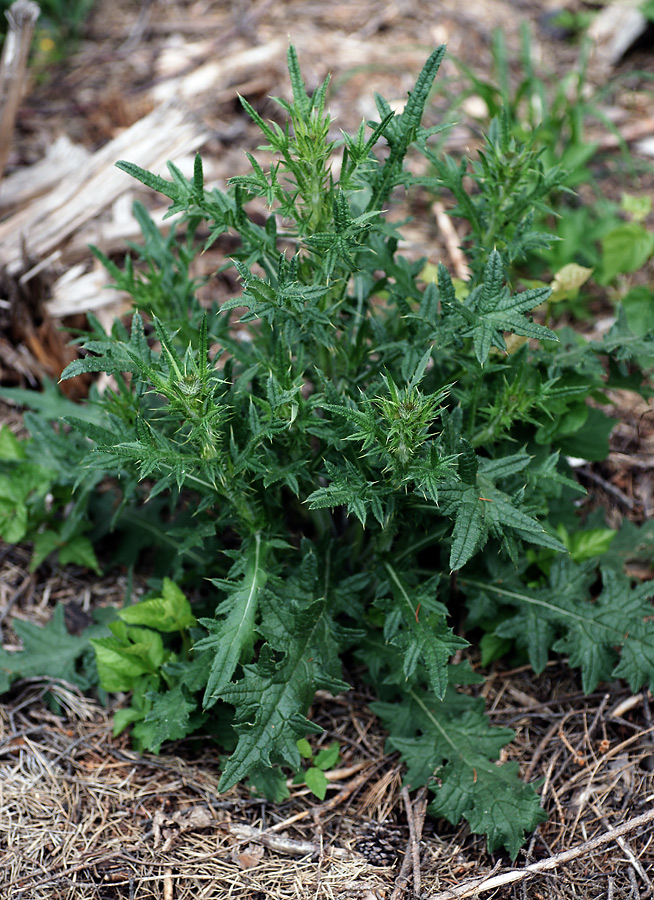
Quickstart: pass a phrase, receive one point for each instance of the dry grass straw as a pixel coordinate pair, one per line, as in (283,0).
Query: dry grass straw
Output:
(82,816)
(77,814)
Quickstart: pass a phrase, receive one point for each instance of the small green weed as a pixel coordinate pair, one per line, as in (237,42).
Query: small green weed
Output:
(37,504)
(314,775)
(551,114)
(361,457)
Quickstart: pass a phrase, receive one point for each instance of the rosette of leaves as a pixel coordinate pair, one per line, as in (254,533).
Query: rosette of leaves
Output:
(355,439)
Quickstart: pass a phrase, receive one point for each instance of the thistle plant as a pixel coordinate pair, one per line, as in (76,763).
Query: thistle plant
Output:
(331,463)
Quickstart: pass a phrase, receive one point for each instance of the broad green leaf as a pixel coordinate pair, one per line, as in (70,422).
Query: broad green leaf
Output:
(625,249)
(591,440)
(169,612)
(13,515)
(21,481)
(638,304)
(128,654)
(567,281)
(315,780)
(304,748)
(125,717)
(10,446)
(588,543)
(327,758)
(638,207)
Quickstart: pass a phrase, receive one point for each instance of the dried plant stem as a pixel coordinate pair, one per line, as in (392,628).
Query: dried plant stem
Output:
(343,795)
(477,886)
(22,16)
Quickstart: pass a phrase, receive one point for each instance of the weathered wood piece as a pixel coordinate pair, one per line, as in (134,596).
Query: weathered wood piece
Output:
(614,30)
(211,75)
(33,233)
(61,159)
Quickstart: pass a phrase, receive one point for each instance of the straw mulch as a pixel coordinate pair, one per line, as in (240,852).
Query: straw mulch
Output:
(83,816)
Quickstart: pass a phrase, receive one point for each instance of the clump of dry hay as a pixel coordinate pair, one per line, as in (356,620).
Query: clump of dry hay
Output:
(82,816)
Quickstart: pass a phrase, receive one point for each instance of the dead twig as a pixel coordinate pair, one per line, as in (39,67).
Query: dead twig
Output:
(93,859)
(419,813)
(415,816)
(542,745)
(168,884)
(452,241)
(477,885)
(20,590)
(614,751)
(607,486)
(629,853)
(280,844)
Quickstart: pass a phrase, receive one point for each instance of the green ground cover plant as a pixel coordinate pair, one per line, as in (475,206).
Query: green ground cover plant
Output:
(348,468)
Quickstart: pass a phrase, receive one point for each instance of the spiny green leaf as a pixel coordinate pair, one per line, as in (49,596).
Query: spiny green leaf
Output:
(468,464)
(272,698)
(268,702)
(607,637)
(170,715)
(300,95)
(469,531)
(426,637)
(494,310)
(452,740)
(232,633)
(149,179)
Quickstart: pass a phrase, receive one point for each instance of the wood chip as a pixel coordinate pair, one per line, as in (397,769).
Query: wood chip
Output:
(168,132)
